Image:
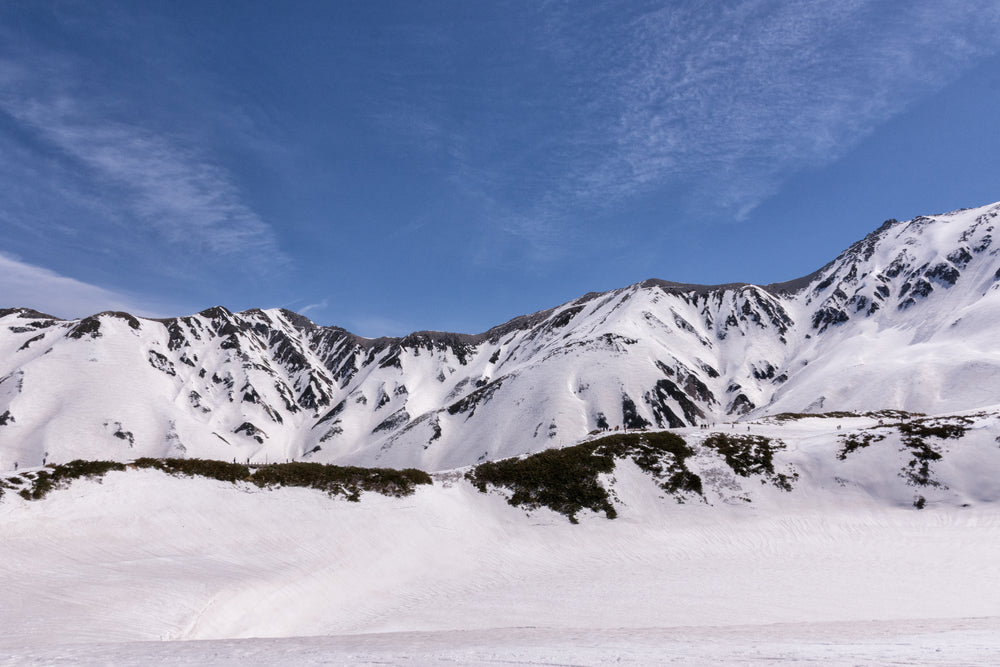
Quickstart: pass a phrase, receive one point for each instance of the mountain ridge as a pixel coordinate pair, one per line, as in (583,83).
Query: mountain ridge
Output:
(901,319)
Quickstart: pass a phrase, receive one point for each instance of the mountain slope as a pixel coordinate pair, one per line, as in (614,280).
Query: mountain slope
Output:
(903,319)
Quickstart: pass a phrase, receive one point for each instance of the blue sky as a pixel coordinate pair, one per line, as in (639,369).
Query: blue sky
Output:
(397,166)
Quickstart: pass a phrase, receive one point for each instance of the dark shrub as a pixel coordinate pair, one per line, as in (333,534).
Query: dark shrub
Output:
(341,480)
(566,480)
(915,436)
(751,455)
(855,441)
(58,475)
(220,470)
(335,480)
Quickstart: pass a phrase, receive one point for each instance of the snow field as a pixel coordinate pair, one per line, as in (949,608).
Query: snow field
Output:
(448,571)
(937,642)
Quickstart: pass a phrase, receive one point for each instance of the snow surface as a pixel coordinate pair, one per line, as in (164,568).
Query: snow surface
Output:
(132,568)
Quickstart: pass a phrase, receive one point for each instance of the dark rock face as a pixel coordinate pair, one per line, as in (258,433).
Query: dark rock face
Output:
(741,405)
(658,400)
(630,416)
(825,317)
(393,421)
(248,429)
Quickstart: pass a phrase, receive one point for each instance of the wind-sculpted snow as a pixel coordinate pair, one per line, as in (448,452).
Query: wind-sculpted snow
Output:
(904,319)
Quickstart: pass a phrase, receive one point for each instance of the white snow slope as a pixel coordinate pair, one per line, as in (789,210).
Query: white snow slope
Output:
(904,319)
(842,569)
(883,550)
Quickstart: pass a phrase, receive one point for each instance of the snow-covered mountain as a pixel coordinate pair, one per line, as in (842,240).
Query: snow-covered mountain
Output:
(904,319)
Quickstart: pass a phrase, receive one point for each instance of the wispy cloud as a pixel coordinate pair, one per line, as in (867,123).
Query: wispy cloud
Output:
(38,288)
(304,310)
(717,103)
(733,98)
(160,190)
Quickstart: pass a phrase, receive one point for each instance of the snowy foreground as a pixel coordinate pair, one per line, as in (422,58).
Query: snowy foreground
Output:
(143,568)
